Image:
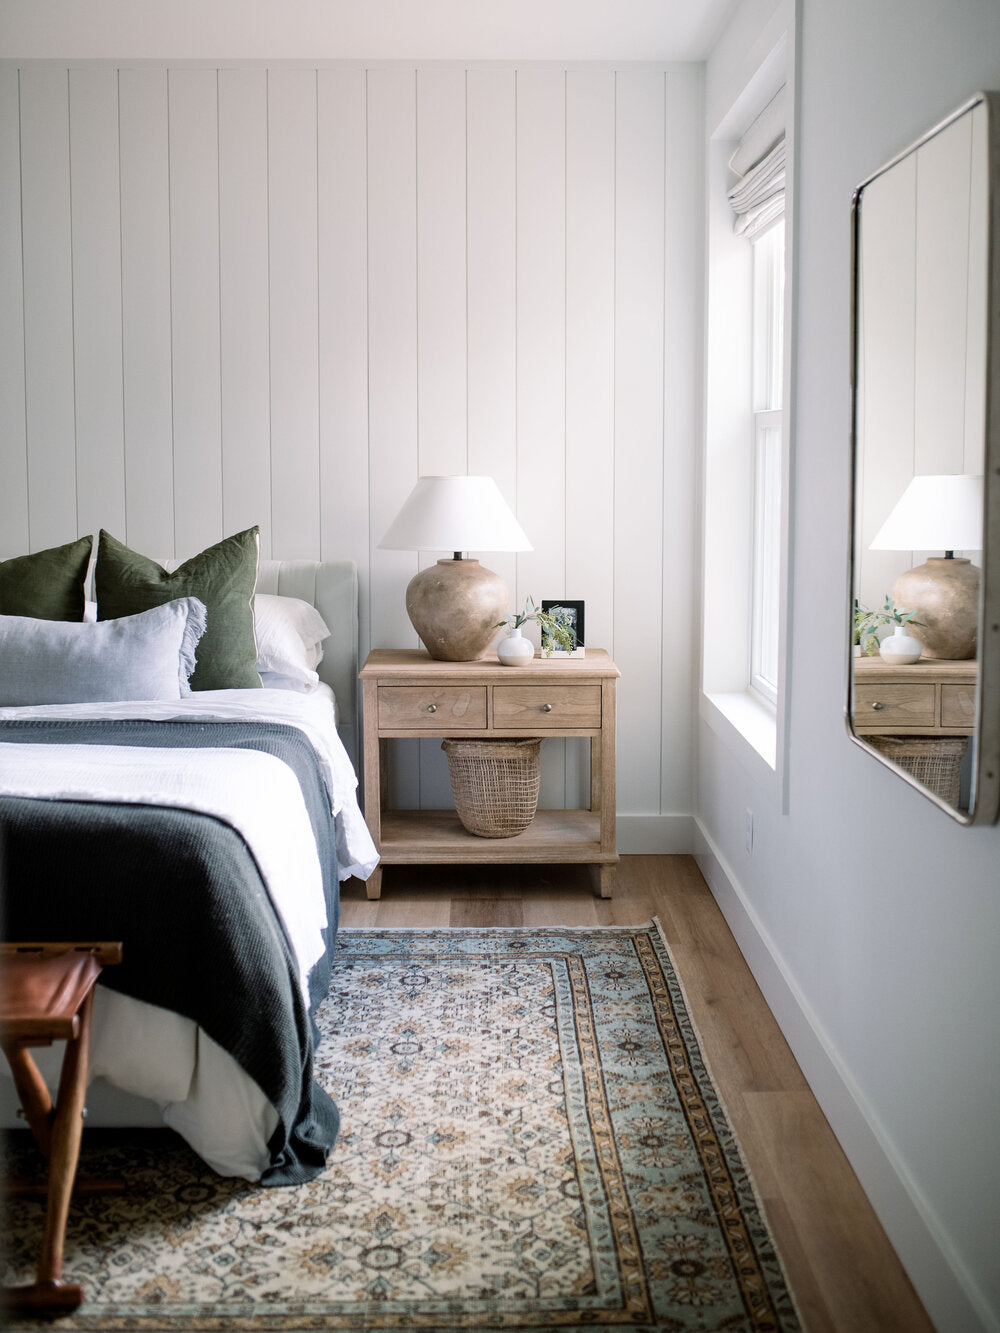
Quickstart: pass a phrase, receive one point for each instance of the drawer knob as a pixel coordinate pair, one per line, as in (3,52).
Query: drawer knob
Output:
(546,708)
(432,708)
(877,706)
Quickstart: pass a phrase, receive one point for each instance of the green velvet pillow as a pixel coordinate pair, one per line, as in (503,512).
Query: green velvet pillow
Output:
(223,577)
(47,585)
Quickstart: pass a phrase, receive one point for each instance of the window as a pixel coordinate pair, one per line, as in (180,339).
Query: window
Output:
(746,460)
(768,359)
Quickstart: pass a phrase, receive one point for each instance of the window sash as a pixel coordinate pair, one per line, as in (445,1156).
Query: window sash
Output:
(766,559)
(766,517)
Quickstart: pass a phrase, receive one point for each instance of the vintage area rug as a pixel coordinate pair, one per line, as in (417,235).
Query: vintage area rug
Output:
(529,1141)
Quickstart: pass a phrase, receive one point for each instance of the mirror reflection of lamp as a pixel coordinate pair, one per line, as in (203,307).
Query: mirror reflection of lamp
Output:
(456,605)
(939,513)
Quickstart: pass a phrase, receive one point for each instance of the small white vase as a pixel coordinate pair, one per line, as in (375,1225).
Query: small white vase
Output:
(900,648)
(514,649)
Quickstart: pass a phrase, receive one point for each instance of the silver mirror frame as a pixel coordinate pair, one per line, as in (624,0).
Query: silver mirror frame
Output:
(984,804)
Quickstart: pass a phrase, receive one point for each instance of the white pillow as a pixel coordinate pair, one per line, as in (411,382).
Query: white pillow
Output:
(290,635)
(145,656)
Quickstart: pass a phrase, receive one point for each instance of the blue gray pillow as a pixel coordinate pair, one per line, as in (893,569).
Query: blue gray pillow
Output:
(147,656)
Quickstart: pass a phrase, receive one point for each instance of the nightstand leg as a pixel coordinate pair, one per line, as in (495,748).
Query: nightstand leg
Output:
(373,884)
(603,879)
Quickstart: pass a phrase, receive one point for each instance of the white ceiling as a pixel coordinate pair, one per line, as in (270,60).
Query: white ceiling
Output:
(372,30)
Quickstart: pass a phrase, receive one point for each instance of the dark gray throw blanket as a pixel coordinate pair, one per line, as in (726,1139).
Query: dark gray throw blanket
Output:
(183,893)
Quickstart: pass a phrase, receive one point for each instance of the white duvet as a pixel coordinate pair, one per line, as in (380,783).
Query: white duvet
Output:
(149,1051)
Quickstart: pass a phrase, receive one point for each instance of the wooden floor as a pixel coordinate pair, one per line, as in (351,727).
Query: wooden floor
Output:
(842,1269)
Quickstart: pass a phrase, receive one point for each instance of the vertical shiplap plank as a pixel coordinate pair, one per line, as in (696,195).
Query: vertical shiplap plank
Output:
(441,288)
(343,324)
(639,305)
(491,167)
(392,338)
(590,294)
(887,333)
(194,303)
(441,319)
(392,363)
(48,306)
(682,316)
(146,342)
(541,354)
(977,319)
(13,432)
(294,329)
(245,399)
(590,361)
(97,298)
(942,265)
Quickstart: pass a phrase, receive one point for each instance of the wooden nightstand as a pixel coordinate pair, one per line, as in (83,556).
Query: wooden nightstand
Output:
(407,693)
(919,717)
(932,697)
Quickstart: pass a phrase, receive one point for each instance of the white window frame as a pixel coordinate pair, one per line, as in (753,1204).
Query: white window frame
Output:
(751,724)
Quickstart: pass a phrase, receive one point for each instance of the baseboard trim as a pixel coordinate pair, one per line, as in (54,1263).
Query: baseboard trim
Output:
(948,1291)
(655,835)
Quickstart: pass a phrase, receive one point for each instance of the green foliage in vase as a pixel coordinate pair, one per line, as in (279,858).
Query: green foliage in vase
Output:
(866,622)
(556,631)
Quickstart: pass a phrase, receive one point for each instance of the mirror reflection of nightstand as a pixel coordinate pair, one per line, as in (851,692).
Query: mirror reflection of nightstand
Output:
(919,716)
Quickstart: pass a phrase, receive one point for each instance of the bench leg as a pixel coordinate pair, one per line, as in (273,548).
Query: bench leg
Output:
(48,1292)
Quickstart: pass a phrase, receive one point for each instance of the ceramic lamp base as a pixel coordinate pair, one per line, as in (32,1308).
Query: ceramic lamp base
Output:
(943,594)
(455,606)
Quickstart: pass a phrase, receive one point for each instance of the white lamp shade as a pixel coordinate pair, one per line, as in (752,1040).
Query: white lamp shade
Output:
(935,513)
(455,514)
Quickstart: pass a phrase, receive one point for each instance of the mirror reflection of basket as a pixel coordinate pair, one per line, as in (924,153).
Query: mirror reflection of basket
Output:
(934,761)
(494,784)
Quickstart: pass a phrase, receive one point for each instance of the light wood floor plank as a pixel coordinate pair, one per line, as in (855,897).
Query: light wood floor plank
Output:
(841,1267)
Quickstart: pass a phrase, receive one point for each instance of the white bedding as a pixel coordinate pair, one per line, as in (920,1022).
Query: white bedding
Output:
(254,793)
(202,1092)
(312,713)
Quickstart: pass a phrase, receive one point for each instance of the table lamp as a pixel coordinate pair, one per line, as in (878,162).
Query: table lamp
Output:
(456,605)
(939,513)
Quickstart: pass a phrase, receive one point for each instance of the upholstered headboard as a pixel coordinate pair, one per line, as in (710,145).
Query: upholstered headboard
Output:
(332,587)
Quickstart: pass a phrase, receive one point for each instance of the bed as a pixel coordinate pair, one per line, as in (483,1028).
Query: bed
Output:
(209,832)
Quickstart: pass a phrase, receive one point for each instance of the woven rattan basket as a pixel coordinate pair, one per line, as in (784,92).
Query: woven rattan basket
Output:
(494,784)
(935,761)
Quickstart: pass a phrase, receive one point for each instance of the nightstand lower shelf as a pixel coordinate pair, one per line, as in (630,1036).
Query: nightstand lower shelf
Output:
(437,837)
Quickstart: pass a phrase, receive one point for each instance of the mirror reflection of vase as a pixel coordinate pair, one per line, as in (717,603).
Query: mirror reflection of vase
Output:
(900,648)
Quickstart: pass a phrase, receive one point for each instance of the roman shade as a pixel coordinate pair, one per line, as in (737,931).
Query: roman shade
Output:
(759,161)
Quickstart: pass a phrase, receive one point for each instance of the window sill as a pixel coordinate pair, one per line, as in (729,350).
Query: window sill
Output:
(748,727)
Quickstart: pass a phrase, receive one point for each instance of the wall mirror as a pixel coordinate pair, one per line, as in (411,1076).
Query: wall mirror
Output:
(924,635)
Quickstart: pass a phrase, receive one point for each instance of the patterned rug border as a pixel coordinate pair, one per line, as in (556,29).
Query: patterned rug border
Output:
(654,927)
(699,1068)
(651,926)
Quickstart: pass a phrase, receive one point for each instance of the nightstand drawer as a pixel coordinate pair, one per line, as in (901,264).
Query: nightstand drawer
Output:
(888,705)
(440,710)
(544,706)
(958,706)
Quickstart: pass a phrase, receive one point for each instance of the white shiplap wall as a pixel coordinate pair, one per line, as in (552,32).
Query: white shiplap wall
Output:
(278,294)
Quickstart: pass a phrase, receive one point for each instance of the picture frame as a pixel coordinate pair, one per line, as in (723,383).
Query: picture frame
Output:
(572,612)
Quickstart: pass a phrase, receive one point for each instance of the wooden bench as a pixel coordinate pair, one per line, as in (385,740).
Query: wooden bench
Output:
(46,995)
